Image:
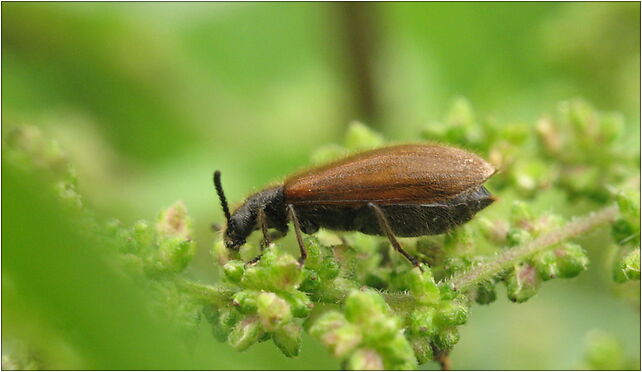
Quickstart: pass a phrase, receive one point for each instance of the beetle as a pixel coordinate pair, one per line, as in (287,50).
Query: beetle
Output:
(397,191)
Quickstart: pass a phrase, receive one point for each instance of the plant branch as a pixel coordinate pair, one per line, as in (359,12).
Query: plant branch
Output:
(509,257)
(216,294)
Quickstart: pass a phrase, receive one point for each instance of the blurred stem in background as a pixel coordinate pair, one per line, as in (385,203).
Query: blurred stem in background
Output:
(360,26)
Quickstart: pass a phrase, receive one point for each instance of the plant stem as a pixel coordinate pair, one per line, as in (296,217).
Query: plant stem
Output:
(217,294)
(511,256)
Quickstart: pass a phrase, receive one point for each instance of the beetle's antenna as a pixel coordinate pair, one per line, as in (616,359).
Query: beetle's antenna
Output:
(221,195)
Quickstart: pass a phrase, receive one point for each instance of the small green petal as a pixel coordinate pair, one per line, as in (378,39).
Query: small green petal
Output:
(522,283)
(245,333)
(546,265)
(288,339)
(273,311)
(422,322)
(234,271)
(246,301)
(175,253)
(447,338)
(571,260)
(365,360)
(452,313)
(360,137)
(422,347)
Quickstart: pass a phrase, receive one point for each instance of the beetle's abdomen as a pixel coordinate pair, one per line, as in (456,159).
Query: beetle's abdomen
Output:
(406,220)
(430,219)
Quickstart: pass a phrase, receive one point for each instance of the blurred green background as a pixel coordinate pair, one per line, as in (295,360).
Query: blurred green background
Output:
(149,98)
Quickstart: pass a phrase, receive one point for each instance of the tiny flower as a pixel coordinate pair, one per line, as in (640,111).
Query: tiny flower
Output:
(273,311)
(361,137)
(422,347)
(571,260)
(447,338)
(365,360)
(336,333)
(288,339)
(175,253)
(522,283)
(246,332)
(234,270)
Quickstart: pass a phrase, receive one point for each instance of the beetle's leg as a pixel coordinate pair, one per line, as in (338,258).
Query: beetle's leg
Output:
(265,242)
(385,227)
(264,229)
(297,232)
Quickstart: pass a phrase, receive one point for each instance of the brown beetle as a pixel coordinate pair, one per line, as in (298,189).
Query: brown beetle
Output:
(403,190)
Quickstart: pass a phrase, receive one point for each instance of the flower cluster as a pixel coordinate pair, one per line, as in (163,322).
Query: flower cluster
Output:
(355,294)
(524,278)
(626,234)
(267,304)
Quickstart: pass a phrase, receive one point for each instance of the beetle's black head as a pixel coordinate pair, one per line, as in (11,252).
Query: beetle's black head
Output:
(244,220)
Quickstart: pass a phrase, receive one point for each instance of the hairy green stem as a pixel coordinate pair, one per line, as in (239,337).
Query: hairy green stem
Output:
(509,257)
(210,294)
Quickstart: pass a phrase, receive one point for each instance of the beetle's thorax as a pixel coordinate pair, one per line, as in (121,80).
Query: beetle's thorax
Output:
(244,220)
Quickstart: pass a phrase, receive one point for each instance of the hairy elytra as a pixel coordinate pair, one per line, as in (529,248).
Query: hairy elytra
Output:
(404,190)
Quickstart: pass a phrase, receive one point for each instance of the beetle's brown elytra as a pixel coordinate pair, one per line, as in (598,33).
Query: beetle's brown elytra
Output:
(396,191)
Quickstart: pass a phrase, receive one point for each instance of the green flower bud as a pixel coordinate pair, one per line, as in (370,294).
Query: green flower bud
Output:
(328,153)
(334,291)
(221,254)
(459,240)
(422,285)
(360,137)
(299,303)
(422,348)
(605,352)
(234,271)
(246,301)
(454,265)
(546,265)
(365,360)
(316,252)
(485,292)
(421,321)
(631,265)
(494,231)
(628,267)
(629,204)
(521,215)
(311,281)
(222,321)
(516,237)
(174,222)
(273,311)
(288,339)
(381,328)
(329,269)
(175,253)
(622,231)
(447,338)
(452,313)
(397,353)
(362,307)
(571,260)
(522,283)
(245,333)
(336,333)
(275,272)
(143,234)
